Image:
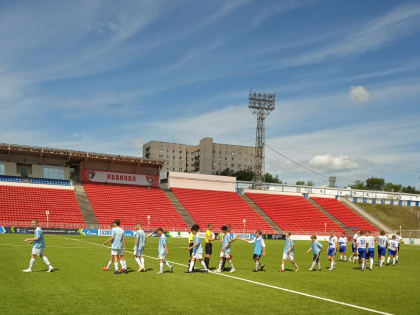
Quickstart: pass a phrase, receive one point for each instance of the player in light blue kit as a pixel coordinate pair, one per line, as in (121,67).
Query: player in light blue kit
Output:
(332,249)
(139,247)
(227,241)
(163,252)
(117,247)
(289,252)
(197,250)
(37,248)
(259,249)
(316,248)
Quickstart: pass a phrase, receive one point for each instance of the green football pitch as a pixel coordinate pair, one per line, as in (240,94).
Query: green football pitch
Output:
(79,286)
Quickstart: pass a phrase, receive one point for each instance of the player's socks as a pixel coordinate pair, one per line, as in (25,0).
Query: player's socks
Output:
(207,262)
(231,265)
(371,263)
(204,265)
(191,266)
(341,257)
(256,264)
(46,261)
(161,267)
(123,264)
(167,264)
(223,263)
(138,261)
(319,265)
(396,257)
(31,263)
(393,261)
(388,260)
(109,264)
(313,265)
(282,266)
(116,266)
(142,262)
(220,265)
(345,258)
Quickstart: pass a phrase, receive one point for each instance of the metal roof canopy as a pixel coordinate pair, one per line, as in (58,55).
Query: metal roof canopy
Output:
(77,156)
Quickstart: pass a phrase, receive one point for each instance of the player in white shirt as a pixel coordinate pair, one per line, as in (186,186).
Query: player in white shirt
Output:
(354,256)
(370,249)
(392,249)
(382,244)
(398,238)
(361,249)
(332,249)
(342,242)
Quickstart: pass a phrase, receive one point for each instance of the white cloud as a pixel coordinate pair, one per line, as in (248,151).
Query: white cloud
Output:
(333,163)
(359,94)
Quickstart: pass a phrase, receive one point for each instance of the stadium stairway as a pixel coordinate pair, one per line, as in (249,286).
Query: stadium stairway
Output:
(179,207)
(365,215)
(324,211)
(262,214)
(85,207)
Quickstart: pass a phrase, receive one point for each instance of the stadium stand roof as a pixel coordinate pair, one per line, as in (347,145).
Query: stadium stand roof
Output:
(77,156)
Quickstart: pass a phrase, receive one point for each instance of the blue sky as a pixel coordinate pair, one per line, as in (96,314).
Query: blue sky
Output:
(108,76)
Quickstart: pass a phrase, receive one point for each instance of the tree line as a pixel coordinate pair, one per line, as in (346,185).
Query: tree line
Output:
(376,183)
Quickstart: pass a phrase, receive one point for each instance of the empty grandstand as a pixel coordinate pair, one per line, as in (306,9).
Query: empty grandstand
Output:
(22,202)
(221,208)
(349,218)
(294,214)
(132,204)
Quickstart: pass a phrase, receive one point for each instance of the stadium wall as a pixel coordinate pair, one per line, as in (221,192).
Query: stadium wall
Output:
(362,196)
(120,167)
(201,181)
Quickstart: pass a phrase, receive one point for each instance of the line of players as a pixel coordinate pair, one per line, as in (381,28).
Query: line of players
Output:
(363,248)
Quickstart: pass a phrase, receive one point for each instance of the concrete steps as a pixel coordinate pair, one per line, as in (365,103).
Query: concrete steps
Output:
(324,211)
(262,214)
(85,207)
(372,220)
(179,207)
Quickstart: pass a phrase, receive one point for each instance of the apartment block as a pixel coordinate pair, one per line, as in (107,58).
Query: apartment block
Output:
(205,158)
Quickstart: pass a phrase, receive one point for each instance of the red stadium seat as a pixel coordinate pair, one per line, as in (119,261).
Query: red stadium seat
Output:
(221,208)
(20,204)
(344,214)
(132,204)
(294,214)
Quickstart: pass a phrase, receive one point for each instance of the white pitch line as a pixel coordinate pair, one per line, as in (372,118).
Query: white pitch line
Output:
(257,283)
(19,245)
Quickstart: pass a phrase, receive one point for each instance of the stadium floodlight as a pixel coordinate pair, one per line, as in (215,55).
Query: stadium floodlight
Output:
(261,105)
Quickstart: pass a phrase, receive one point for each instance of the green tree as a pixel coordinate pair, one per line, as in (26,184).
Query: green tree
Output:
(300,182)
(246,175)
(392,187)
(358,184)
(410,190)
(375,183)
(310,183)
(226,172)
(268,178)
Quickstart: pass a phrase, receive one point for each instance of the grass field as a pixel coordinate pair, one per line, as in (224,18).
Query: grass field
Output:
(394,216)
(78,286)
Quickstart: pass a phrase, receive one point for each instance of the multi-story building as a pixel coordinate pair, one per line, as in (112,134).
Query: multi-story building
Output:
(205,158)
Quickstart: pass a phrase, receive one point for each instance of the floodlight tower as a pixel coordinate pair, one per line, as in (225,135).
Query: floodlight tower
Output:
(261,105)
